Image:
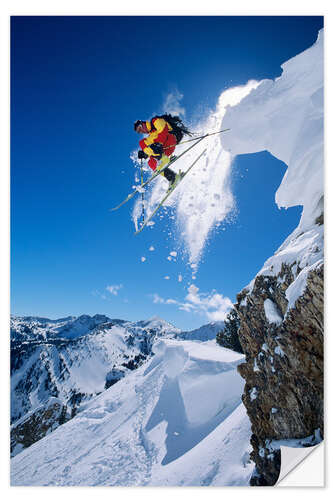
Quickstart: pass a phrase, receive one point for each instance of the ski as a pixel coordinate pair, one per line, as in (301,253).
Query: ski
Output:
(155,174)
(169,192)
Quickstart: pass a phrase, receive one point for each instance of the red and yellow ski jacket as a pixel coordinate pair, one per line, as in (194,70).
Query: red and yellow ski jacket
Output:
(158,130)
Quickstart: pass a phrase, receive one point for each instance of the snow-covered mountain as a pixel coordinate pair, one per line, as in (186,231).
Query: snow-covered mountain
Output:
(56,365)
(72,359)
(177,420)
(36,328)
(205,332)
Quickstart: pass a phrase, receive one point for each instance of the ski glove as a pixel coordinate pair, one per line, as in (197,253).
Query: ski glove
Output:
(157,150)
(142,155)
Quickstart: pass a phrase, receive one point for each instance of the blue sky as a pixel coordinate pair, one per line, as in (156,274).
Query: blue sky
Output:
(77,86)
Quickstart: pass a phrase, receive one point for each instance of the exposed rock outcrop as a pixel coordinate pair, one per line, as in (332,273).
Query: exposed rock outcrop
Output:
(282,337)
(36,424)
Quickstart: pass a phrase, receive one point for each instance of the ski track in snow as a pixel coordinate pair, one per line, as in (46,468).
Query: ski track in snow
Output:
(164,424)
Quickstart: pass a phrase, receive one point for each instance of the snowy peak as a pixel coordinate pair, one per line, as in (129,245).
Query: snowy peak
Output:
(81,326)
(72,327)
(36,328)
(157,324)
(204,333)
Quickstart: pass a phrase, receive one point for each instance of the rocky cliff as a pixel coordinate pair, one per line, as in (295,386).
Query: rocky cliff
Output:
(281,310)
(37,424)
(282,339)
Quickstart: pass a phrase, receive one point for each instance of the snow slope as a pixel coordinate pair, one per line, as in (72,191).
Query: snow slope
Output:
(177,420)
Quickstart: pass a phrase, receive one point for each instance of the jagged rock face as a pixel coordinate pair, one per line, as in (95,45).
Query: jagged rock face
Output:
(283,393)
(37,424)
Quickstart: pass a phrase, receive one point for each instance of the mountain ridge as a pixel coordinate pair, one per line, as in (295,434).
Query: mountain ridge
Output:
(72,360)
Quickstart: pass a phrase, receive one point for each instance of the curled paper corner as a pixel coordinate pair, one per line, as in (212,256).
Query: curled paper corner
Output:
(302,466)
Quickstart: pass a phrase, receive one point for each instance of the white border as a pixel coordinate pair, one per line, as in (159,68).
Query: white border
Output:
(127,7)
(306,471)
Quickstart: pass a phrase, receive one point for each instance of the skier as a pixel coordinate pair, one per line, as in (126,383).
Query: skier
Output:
(162,128)
(164,133)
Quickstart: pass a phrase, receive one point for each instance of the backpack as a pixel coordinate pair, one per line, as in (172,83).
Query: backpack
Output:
(178,128)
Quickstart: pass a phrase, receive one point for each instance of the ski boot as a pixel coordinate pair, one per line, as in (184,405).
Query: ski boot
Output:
(173,178)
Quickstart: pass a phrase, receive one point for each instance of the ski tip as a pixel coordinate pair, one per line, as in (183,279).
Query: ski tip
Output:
(139,230)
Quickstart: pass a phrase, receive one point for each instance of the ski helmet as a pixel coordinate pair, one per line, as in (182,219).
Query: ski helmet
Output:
(137,123)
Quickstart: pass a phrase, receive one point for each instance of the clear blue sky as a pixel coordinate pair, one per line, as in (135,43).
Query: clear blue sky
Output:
(77,86)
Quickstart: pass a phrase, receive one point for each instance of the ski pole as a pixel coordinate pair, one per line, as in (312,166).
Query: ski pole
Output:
(142,196)
(200,137)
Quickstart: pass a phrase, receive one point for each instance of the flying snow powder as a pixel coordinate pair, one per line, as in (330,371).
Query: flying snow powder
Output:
(203,199)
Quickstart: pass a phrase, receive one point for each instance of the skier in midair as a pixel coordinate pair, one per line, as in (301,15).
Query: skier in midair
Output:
(163,134)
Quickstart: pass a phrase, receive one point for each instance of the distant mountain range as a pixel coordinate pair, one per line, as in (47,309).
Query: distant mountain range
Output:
(66,362)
